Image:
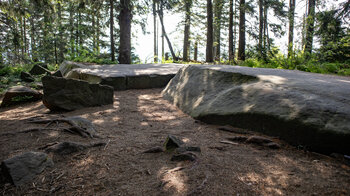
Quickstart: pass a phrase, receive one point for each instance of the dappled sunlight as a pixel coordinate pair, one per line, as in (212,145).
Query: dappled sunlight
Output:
(85,163)
(274,79)
(173,178)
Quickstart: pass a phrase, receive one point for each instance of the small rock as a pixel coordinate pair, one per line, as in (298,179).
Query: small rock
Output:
(155,149)
(337,155)
(231,129)
(258,140)
(65,148)
(238,138)
(184,149)
(172,142)
(20,94)
(347,157)
(38,70)
(273,145)
(23,168)
(184,157)
(26,77)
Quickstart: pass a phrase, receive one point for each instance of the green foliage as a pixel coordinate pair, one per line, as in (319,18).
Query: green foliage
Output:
(21,98)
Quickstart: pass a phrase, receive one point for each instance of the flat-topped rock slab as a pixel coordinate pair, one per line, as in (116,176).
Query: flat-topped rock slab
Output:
(308,110)
(122,76)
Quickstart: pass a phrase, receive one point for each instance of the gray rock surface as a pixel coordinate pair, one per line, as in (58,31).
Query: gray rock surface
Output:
(122,76)
(305,109)
(26,77)
(23,168)
(38,70)
(20,94)
(70,94)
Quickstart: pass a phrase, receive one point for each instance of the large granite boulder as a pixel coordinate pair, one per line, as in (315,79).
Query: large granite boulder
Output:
(122,76)
(71,94)
(20,94)
(308,110)
(23,168)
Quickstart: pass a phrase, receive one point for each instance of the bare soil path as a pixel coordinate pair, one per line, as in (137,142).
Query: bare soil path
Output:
(141,119)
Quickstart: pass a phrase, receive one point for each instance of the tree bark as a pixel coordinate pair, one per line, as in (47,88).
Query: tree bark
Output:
(195,56)
(111,29)
(209,48)
(125,18)
(188,4)
(241,44)
(291,27)
(217,29)
(230,34)
(155,36)
(61,42)
(261,28)
(310,27)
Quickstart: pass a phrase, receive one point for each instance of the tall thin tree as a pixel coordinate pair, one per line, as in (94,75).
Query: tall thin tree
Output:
(291,27)
(111,28)
(310,27)
(209,48)
(125,17)
(188,4)
(241,44)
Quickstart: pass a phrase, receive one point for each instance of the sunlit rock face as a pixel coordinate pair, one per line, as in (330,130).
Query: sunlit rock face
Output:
(308,110)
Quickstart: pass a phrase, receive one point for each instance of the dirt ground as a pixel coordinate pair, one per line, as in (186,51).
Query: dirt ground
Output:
(141,119)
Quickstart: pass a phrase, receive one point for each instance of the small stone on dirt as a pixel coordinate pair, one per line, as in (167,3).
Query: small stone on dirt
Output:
(65,148)
(155,149)
(188,156)
(273,145)
(231,129)
(258,140)
(238,138)
(172,142)
(23,168)
(184,149)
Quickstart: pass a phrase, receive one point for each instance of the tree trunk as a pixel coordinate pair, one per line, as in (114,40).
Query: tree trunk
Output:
(241,44)
(195,51)
(125,18)
(310,28)
(61,42)
(209,48)
(71,41)
(25,36)
(98,31)
(230,34)
(265,34)
(155,36)
(261,28)
(161,12)
(188,4)
(167,39)
(291,27)
(111,28)
(217,29)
